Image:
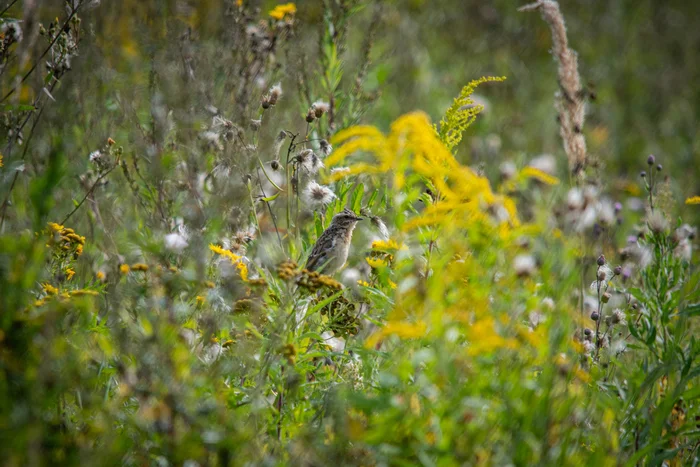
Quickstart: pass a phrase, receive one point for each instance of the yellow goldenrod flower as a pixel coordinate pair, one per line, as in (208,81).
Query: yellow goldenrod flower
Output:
(39,303)
(363,283)
(100,276)
(235,259)
(49,289)
(200,300)
(392,284)
(376,263)
(55,227)
(124,269)
(0,160)
(226,253)
(401,329)
(139,267)
(83,292)
(70,273)
(693,200)
(243,270)
(537,174)
(79,250)
(388,245)
(281,11)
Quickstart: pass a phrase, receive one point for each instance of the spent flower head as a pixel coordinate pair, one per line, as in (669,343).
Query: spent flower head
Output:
(318,196)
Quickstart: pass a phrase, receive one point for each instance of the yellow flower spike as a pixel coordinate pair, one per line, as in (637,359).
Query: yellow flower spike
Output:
(537,174)
(693,200)
(234,258)
(139,267)
(49,289)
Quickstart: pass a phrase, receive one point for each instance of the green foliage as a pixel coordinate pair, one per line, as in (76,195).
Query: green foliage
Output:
(158,209)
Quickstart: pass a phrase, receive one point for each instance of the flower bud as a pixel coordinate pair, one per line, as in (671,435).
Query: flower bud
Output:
(659,167)
(606,297)
(595,316)
(617,270)
(311,115)
(601,260)
(275,165)
(643,174)
(651,160)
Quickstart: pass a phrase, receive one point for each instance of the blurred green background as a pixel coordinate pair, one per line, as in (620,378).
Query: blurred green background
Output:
(639,58)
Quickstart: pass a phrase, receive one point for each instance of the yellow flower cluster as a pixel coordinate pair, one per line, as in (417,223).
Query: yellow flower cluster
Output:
(537,174)
(401,329)
(388,246)
(234,258)
(693,200)
(282,11)
(412,146)
(65,239)
(287,270)
(314,281)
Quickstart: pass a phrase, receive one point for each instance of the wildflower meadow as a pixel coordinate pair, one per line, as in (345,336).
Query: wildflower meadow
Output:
(349,232)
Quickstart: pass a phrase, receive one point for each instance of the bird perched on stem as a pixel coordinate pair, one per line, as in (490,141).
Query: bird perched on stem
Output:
(331,249)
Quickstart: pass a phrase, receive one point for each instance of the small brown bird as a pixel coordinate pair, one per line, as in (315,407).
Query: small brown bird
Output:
(331,249)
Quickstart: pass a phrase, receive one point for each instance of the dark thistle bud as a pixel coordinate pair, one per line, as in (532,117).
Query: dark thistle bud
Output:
(617,270)
(643,174)
(311,115)
(659,167)
(265,102)
(255,124)
(601,260)
(595,316)
(606,297)
(587,332)
(651,160)
(275,165)
(601,276)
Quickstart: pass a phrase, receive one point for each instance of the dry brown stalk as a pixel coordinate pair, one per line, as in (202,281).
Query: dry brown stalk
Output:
(571,99)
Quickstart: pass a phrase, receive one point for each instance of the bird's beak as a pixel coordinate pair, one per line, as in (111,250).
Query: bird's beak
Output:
(359,218)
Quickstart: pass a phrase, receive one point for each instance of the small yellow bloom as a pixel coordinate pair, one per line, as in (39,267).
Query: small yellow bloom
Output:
(376,263)
(542,176)
(209,284)
(693,200)
(100,276)
(385,245)
(49,289)
(0,160)
(39,303)
(124,269)
(392,284)
(243,270)
(139,267)
(70,273)
(281,11)
(111,142)
(200,300)
(55,227)
(79,250)
(363,283)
